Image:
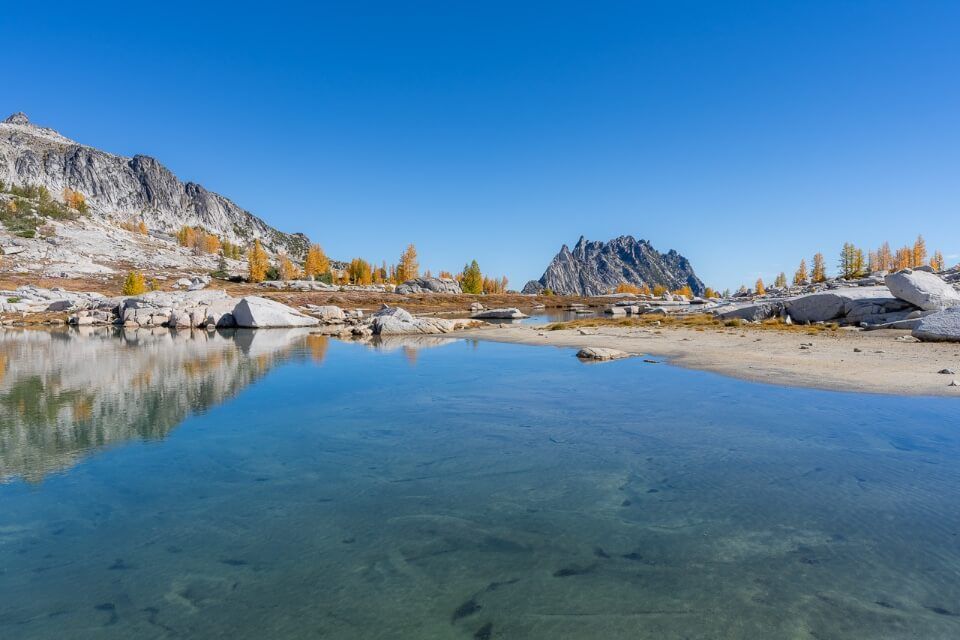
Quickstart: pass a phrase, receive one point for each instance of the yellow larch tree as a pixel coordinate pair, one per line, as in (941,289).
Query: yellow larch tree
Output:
(257,262)
(359,272)
(135,284)
(760,289)
(919,252)
(408,268)
(936,262)
(819,271)
(800,277)
(288,270)
(316,263)
(903,258)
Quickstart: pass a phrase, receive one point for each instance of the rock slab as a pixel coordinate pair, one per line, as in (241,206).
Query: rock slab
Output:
(943,326)
(923,289)
(254,312)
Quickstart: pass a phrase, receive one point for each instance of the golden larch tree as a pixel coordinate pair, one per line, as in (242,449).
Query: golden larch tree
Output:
(936,262)
(903,259)
(135,284)
(919,252)
(359,272)
(800,277)
(257,263)
(408,268)
(819,271)
(288,270)
(74,199)
(884,257)
(760,289)
(316,263)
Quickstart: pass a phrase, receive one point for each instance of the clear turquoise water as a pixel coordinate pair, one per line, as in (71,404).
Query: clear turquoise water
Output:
(286,487)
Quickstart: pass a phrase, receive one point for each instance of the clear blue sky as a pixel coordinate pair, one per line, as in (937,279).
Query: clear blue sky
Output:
(746,135)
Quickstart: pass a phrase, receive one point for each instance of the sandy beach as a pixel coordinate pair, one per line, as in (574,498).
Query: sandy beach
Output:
(841,360)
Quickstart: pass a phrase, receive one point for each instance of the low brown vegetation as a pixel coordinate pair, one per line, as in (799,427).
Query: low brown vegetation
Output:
(698,321)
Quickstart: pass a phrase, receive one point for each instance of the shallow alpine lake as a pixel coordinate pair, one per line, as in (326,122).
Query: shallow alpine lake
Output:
(282,485)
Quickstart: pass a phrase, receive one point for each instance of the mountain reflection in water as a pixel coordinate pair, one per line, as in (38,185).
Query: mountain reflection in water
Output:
(67,393)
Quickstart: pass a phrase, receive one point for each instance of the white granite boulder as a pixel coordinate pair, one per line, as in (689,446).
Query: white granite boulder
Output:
(397,321)
(943,326)
(429,285)
(254,312)
(751,312)
(851,305)
(923,289)
(510,313)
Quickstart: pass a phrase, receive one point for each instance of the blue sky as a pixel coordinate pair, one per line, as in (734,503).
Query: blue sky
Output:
(746,135)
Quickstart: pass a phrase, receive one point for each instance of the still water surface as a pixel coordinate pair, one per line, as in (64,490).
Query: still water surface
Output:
(280,485)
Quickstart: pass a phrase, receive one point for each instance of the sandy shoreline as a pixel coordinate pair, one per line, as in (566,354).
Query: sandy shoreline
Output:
(882,365)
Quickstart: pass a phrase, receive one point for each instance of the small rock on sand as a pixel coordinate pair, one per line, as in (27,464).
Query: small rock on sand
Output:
(601,353)
(946,372)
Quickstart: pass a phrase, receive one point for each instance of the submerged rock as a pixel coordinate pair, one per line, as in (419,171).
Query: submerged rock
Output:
(511,313)
(601,353)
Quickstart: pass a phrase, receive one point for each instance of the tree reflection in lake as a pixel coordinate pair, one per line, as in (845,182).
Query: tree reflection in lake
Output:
(66,393)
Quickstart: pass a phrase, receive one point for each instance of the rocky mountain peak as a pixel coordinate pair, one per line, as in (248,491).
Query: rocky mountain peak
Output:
(18,118)
(595,268)
(122,189)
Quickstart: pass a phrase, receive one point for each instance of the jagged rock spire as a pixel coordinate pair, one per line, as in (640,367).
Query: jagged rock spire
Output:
(18,118)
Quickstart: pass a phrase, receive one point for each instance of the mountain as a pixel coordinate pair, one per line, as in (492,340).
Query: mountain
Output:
(596,268)
(119,189)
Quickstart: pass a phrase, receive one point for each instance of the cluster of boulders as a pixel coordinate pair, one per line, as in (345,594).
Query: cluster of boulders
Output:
(397,321)
(299,285)
(214,308)
(916,299)
(201,308)
(33,299)
(415,286)
(429,285)
(192,284)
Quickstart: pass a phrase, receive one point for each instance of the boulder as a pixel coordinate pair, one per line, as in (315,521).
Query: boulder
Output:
(429,285)
(851,305)
(615,311)
(511,313)
(751,312)
(254,312)
(601,353)
(328,313)
(397,321)
(943,326)
(180,318)
(923,289)
(393,320)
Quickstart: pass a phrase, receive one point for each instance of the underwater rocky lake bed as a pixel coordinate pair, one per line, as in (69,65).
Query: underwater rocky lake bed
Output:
(282,485)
